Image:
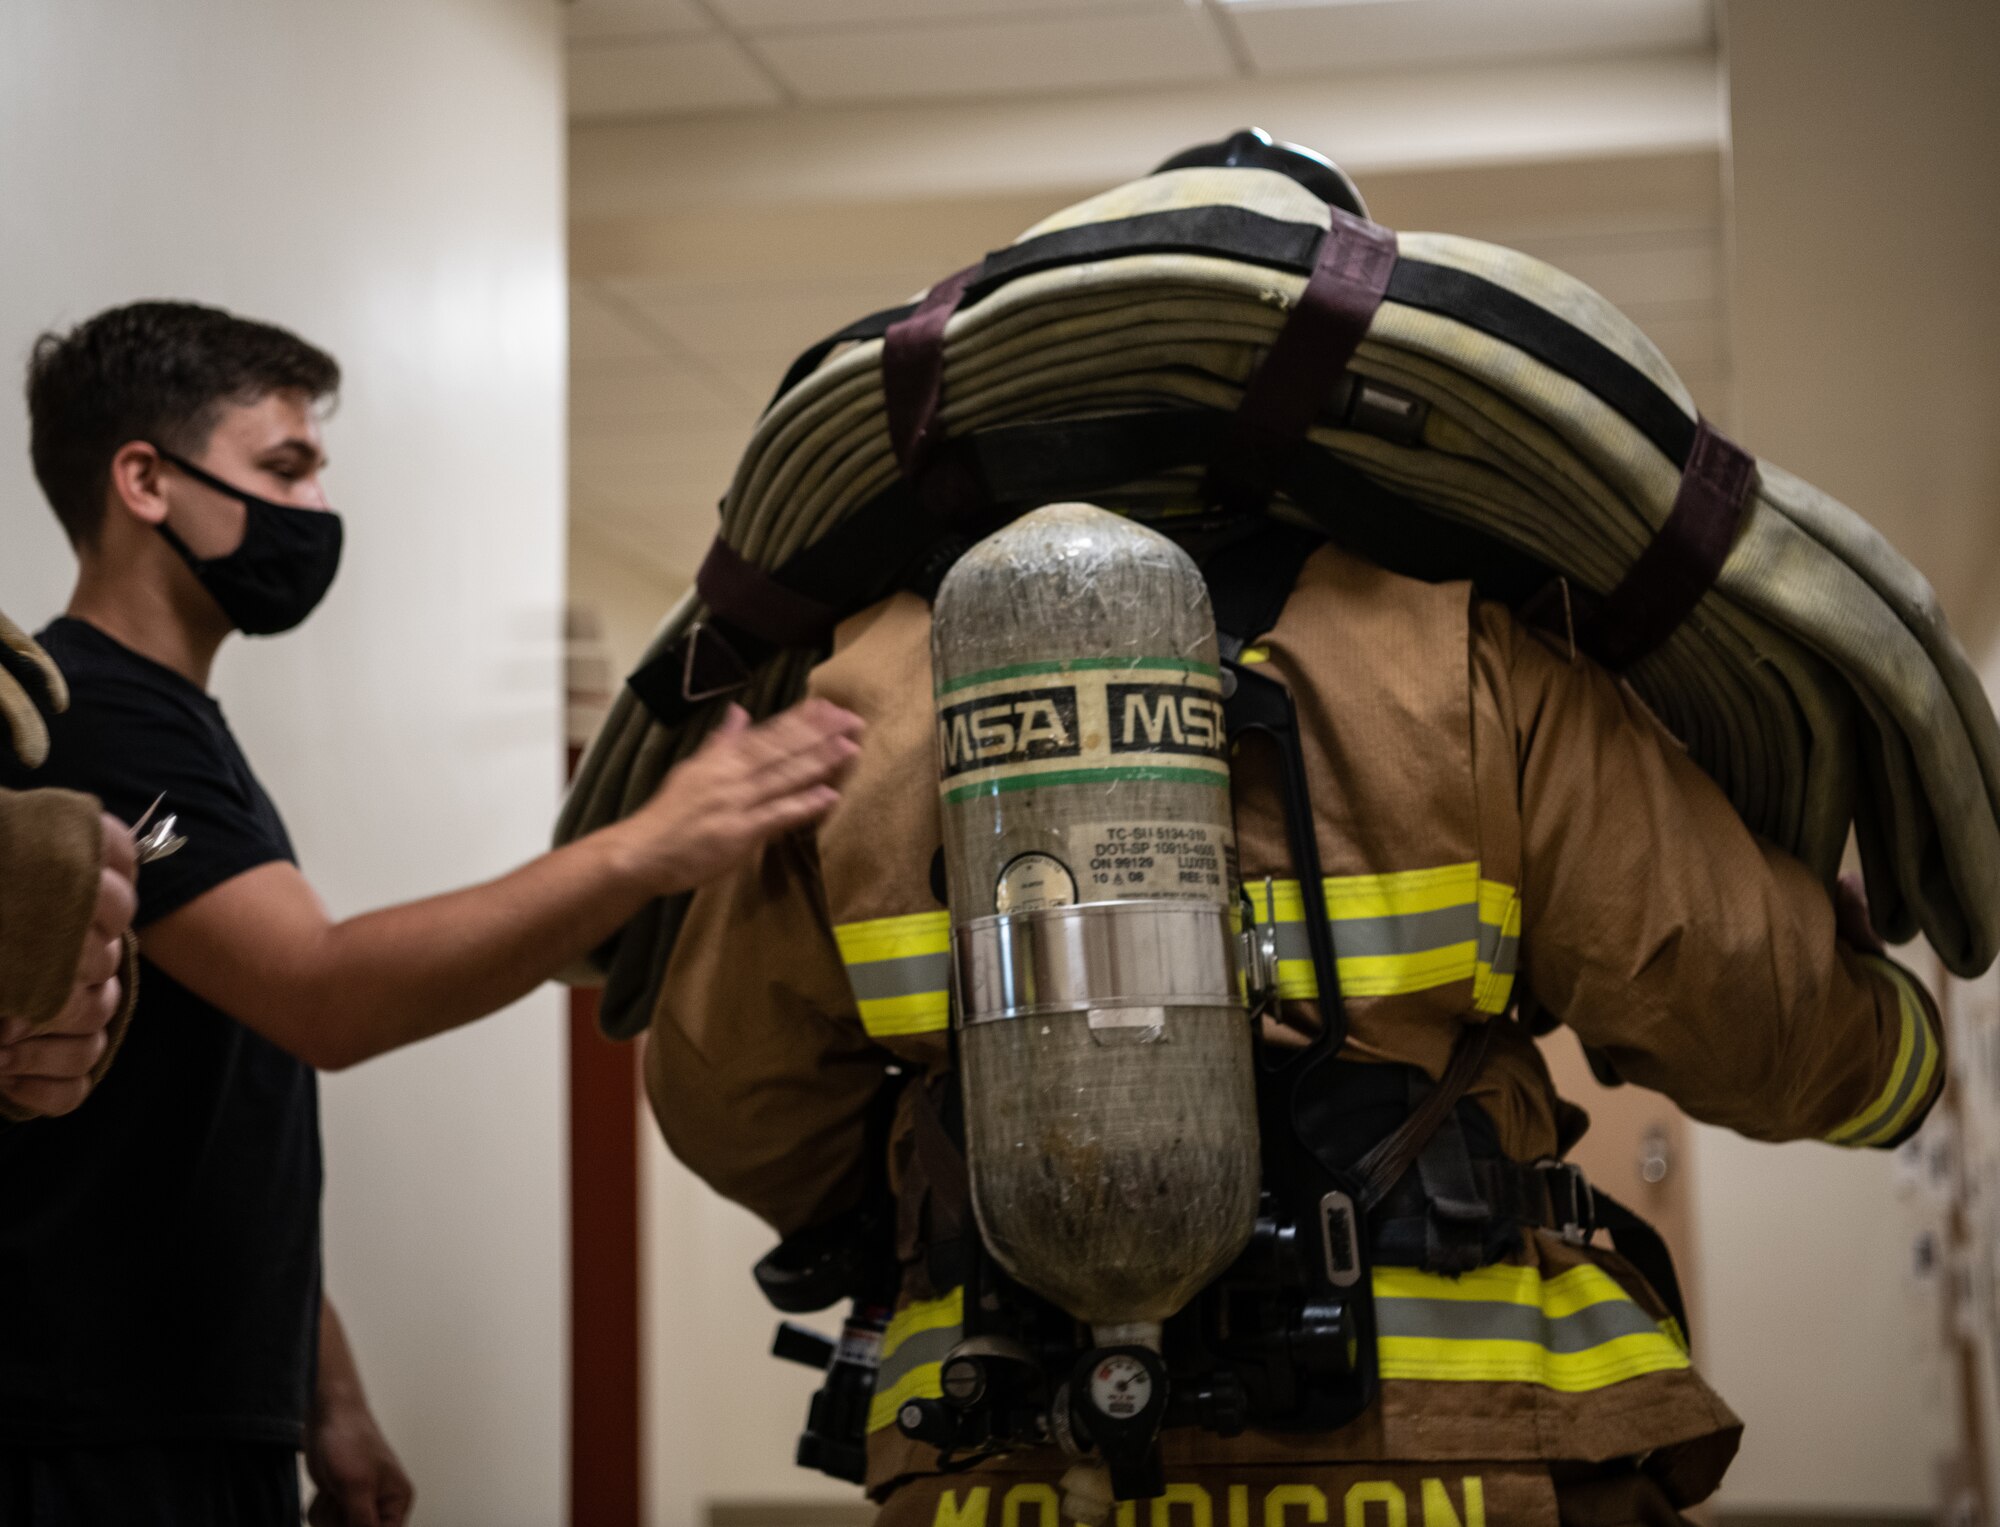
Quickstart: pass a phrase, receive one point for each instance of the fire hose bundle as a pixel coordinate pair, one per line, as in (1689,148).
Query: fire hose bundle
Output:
(1217,341)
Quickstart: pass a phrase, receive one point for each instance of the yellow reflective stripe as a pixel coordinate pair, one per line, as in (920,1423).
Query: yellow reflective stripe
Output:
(1394,934)
(1505,1283)
(1401,893)
(921,1383)
(1576,1332)
(1283,893)
(923,1315)
(1393,975)
(1918,1049)
(898,967)
(1405,932)
(927,1012)
(1513,1362)
(913,1356)
(894,938)
(1499,944)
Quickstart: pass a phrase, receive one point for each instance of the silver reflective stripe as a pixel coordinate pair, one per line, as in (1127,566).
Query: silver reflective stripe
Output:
(1912,1069)
(1489,1320)
(1498,952)
(1404,933)
(1293,943)
(877,980)
(916,1351)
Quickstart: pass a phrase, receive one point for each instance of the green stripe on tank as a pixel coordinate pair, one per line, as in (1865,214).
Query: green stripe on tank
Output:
(1077,665)
(1218,779)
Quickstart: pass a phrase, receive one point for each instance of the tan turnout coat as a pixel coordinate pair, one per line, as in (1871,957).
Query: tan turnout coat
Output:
(1494,816)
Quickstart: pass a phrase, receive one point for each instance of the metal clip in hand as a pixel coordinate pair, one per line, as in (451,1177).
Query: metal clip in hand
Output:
(158,841)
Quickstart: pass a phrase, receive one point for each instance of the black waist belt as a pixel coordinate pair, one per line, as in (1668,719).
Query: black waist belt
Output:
(1517,1196)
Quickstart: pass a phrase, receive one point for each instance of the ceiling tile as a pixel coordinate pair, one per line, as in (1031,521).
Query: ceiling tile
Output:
(1007,56)
(1284,37)
(762,15)
(629,78)
(633,18)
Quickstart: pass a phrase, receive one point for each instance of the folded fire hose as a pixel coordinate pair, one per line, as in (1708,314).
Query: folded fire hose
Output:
(1213,341)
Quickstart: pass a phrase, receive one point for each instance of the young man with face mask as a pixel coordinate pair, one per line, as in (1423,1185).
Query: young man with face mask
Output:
(170,1349)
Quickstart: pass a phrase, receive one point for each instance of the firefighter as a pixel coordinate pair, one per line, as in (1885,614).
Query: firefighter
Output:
(1507,833)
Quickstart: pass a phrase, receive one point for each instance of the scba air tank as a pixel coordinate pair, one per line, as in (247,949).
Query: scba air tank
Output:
(1110,1111)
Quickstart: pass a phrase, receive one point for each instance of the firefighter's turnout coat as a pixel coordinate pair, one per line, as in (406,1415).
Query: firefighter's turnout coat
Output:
(1495,816)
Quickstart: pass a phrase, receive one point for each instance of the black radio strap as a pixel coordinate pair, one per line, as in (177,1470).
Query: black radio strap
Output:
(1251,577)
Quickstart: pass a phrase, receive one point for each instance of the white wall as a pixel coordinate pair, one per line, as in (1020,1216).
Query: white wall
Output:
(1865,345)
(385,177)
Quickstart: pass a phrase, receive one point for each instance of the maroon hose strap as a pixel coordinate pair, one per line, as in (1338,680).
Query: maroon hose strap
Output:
(749,598)
(1681,563)
(752,600)
(913,391)
(1308,358)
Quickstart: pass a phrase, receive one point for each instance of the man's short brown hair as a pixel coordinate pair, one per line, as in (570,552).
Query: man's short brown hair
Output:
(156,371)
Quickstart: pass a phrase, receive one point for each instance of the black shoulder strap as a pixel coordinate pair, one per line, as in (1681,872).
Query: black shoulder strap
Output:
(1251,577)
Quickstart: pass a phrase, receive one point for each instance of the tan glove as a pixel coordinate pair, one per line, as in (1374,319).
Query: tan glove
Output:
(29,732)
(68,960)
(66,880)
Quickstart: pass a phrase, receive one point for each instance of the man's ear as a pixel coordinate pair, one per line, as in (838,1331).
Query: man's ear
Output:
(137,485)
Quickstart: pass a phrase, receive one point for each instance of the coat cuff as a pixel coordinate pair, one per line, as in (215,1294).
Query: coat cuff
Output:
(1917,1073)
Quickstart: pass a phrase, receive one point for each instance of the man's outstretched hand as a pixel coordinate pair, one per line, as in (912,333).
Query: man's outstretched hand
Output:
(744,785)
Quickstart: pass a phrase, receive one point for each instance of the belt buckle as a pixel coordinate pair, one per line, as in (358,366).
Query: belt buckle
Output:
(694,688)
(1574,1206)
(1257,952)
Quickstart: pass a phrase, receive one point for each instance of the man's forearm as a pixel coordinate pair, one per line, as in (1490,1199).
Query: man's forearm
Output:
(261,947)
(388,978)
(338,1380)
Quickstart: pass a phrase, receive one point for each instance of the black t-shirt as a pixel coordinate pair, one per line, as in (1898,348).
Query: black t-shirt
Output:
(159,1247)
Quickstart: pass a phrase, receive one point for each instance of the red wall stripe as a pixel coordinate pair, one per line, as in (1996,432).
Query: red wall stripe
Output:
(604,1425)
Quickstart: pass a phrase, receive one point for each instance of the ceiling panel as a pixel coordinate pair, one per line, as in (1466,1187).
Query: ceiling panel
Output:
(1009,56)
(633,18)
(1288,38)
(761,15)
(637,77)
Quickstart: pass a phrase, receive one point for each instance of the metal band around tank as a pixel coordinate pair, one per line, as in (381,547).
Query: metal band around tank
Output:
(1102,954)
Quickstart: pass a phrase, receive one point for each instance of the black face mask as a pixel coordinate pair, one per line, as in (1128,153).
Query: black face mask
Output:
(282,570)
